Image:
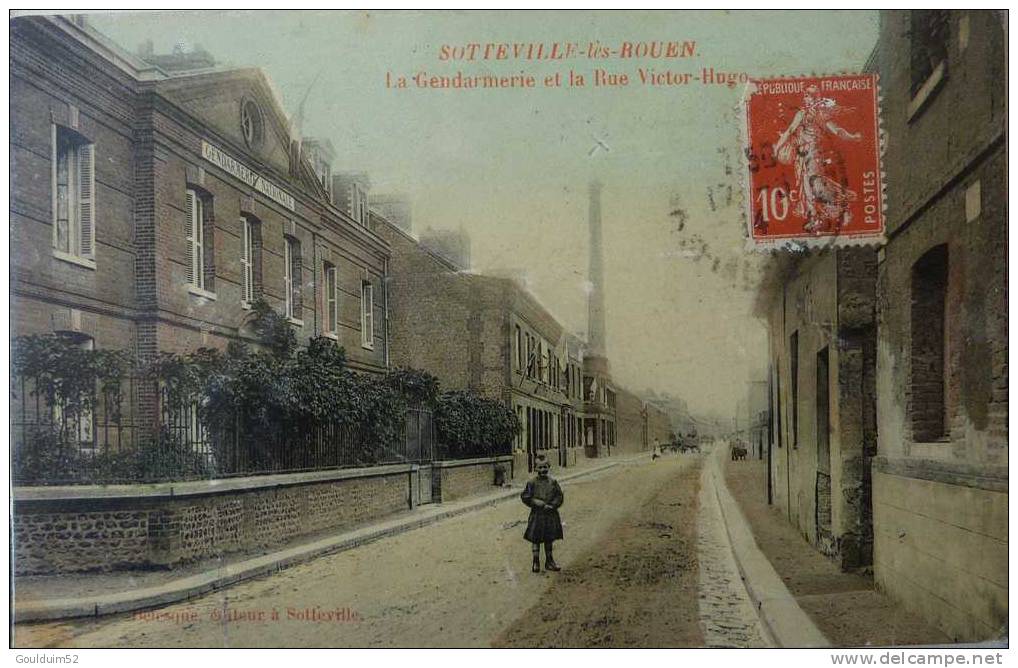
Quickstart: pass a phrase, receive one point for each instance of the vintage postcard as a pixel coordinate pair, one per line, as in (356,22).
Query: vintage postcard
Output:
(510,329)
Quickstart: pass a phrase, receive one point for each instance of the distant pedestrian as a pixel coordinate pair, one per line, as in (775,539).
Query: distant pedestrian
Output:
(543,495)
(657,450)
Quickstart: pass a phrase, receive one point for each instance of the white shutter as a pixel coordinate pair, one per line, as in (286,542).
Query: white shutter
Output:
(331,300)
(245,259)
(367,326)
(54,159)
(189,207)
(86,199)
(288,277)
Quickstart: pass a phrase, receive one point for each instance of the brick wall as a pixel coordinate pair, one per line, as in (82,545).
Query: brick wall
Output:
(148,151)
(630,422)
(940,485)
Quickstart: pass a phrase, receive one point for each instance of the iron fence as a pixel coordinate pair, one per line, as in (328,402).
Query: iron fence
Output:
(136,431)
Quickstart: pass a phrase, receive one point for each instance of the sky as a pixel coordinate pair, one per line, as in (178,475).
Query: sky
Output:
(511,167)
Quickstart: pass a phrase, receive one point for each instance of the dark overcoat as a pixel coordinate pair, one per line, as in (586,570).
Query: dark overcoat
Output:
(544,524)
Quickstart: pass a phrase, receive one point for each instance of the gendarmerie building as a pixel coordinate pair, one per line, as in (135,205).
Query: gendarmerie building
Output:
(154,200)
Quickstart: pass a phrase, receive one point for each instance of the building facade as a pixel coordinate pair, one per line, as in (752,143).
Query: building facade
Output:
(489,335)
(151,208)
(888,378)
(819,311)
(940,479)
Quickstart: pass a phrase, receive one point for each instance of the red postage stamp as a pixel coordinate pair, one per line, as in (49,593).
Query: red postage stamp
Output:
(812,149)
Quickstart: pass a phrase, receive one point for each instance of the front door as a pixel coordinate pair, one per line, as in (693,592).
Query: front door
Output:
(823,423)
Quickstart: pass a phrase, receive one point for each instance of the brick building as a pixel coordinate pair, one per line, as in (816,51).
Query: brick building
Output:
(940,478)
(486,334)
(639,423)
(889,367)
(150,206)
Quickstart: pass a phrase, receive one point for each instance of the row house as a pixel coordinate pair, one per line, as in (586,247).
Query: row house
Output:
(888,367)
(940,477)
(151,207)
(486,334)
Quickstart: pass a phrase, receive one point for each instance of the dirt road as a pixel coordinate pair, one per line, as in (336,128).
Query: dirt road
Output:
(635,587)
(629,579)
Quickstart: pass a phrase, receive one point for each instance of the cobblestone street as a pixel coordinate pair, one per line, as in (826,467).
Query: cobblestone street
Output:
(635,573)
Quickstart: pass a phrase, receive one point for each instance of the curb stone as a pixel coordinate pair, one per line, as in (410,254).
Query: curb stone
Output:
(784,620)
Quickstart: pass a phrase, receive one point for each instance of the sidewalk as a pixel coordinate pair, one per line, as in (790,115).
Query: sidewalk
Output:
(52,597)
(846,607)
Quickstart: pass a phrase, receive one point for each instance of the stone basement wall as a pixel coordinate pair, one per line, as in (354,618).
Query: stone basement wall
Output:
(470,477)
(77,529)
(92,528)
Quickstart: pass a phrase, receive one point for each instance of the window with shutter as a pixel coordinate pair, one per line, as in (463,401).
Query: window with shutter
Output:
(288,277)
(86,200)
(297,283)
(331,300)
(195,240)
(292,279)
(247,260)
(73,197)
(367,316)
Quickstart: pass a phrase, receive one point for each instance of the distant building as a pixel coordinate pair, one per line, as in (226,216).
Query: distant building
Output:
(320,153)
(756,422)
(453,245)
(350,193)
(394,208)
(180,59)
(639,423)
(489,335)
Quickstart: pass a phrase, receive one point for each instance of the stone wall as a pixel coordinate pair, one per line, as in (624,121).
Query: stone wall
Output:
(81,529)
(941,549)
(823,311)
(66,541)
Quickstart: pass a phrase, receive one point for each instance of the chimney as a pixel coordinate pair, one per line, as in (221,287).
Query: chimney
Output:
(596,341)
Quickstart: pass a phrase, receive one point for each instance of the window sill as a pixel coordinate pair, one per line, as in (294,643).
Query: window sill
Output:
(246,306)
(367,346)
(198,292)
(297,322)
(926,91)
(74,259)
(331,335)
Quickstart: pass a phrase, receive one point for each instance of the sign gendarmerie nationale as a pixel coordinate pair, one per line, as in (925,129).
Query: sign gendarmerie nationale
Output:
(221,159)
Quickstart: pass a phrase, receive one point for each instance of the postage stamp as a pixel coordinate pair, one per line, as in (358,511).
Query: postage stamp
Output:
(812,160)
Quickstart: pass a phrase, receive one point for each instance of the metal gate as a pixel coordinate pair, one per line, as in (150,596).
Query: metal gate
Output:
(420,449)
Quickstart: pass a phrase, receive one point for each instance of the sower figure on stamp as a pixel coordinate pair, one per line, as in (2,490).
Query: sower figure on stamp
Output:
(543,495)
(821,191)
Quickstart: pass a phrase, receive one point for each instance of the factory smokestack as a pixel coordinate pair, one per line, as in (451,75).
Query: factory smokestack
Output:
(596,340)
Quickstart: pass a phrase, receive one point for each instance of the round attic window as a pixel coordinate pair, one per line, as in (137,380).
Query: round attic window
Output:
(252,125)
